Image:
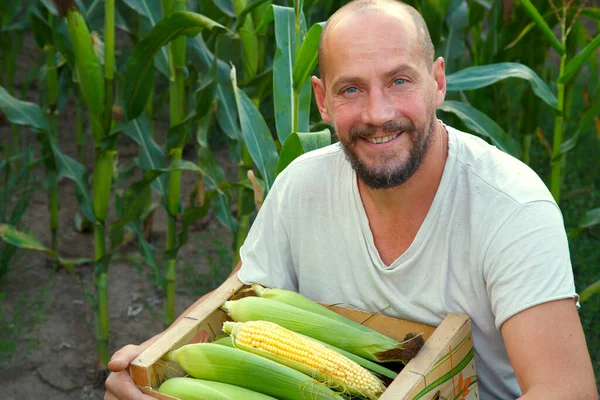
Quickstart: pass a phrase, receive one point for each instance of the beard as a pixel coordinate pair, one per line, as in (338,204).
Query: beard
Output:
(390,172)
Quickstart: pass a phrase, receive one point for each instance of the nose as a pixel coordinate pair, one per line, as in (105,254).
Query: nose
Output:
(378,109)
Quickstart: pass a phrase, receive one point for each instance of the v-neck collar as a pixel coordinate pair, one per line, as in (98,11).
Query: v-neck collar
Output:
(429,221)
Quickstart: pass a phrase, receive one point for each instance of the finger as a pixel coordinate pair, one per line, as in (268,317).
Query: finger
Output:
(120,386)
(109,396)
(121,359)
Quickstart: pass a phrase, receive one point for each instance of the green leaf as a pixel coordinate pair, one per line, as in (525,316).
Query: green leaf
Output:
(226,6)
(60,37)
(591,12)
(50,6)
(591,218)
(483,126)
(579,60)
(227,117)
(189,216)
(178,135)
(478,77)
(148,252)
(586,120)
(12,236)
(249,41)
(151,11)
(308,56)
(41,30)
(304,107)
(256,135)
(73,170)
(151,155)
(541,23)
(135,201)
(315,140)
(457,21)
(283,64)
(214,175)
(594,288)
(291,149)
(205,95)
(267,18)
(23,113)
(248,9)
(523,33)
(300,143)
(139,74)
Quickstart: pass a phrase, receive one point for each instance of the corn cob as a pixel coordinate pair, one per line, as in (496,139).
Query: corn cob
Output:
(88,69)
(198,389)
(304,354)
(363,341)
(237,367)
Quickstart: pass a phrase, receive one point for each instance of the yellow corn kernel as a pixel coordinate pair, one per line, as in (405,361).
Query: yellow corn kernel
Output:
(305,354)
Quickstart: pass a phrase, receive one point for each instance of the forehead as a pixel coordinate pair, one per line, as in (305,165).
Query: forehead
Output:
(370,38)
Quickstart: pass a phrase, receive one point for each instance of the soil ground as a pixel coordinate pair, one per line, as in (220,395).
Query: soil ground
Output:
(51,351)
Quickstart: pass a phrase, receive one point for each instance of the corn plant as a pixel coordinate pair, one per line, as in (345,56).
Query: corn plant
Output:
(139,81)
(568,69)
(41,25)
(96,90)
(295,58)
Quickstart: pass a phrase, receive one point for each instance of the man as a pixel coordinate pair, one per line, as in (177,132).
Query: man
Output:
(414,217)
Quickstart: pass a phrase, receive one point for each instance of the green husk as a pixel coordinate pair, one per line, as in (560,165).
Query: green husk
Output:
(229,365)
(199,389)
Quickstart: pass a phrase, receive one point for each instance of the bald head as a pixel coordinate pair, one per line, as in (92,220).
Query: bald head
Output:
(424,40)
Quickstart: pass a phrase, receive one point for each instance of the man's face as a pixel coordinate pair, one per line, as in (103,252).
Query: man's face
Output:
(379,94)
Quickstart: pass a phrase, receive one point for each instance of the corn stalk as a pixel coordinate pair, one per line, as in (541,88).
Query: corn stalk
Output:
(568,69)
(250,52)
(558,161)
(177,112)
(52,175)
(92,83)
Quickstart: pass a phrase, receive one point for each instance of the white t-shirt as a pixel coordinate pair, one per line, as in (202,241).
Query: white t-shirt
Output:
(492,244)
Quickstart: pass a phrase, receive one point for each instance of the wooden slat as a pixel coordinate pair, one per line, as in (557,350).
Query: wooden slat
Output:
(395,328)
(432,350)
(184,332)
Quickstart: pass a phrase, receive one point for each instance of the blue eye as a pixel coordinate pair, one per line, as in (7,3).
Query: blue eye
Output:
(351,90)
(399,81)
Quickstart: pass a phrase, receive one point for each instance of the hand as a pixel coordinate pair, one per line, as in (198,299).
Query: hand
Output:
(119,385)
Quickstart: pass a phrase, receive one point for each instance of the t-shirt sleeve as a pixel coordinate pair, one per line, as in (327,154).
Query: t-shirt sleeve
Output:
(265,254)
(528,262)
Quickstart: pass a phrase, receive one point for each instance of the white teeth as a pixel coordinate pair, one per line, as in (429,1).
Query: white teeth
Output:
(382,139)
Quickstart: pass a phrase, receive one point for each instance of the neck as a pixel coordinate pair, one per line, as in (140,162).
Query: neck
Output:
(419,190)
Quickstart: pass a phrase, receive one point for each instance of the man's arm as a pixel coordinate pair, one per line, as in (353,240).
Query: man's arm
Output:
(548,352)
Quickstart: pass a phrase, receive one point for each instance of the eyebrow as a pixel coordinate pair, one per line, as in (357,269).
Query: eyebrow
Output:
(343,80)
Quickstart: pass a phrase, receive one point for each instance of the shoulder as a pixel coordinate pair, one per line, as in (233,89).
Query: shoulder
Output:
(496,173)
(315,166)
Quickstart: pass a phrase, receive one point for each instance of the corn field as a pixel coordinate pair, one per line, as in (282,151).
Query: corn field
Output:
(130,127)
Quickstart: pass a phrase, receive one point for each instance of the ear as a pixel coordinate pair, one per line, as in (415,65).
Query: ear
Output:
(319,89)
(439,75)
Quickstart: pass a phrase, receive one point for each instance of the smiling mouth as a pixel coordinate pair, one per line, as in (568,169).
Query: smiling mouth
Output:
(383,139)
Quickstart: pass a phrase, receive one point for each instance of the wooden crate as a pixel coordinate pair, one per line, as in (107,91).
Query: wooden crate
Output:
(443,369)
